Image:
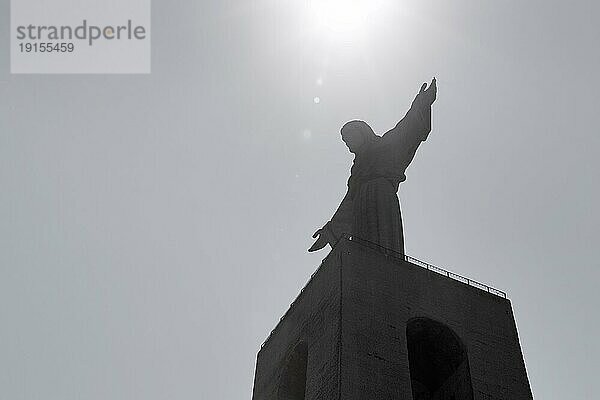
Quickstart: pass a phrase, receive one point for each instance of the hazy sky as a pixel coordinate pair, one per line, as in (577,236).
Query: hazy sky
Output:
(153,228)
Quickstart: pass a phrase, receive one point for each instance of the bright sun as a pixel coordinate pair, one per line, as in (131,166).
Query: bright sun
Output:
(344,16)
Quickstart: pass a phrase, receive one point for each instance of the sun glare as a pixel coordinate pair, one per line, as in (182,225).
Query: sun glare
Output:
(343,16)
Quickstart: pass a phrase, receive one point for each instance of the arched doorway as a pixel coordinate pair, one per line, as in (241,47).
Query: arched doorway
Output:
(438,362)
(292,384)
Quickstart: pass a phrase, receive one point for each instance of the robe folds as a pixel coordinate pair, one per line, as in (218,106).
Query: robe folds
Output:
(370,209)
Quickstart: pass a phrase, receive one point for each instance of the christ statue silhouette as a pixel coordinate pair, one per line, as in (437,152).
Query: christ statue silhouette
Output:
(370,209)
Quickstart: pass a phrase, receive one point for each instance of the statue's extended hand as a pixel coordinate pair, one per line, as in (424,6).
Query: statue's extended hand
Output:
(320,242)
(428,95)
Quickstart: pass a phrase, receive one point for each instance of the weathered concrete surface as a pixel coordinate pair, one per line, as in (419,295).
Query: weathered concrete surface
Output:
(313,318)
(352,316)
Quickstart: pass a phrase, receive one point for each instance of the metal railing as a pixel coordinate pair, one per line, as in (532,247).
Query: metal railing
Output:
(400,257)
(429,267)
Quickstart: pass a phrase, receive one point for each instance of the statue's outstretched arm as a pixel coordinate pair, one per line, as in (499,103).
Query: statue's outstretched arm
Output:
(413,129)
(416,124)
(340,224)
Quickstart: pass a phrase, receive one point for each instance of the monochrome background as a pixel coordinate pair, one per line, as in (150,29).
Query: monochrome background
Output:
(153,228)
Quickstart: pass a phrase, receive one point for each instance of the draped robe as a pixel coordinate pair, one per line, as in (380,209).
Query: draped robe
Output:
(370,209)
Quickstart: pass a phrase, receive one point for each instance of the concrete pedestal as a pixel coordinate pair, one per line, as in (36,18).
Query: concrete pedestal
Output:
(374,326)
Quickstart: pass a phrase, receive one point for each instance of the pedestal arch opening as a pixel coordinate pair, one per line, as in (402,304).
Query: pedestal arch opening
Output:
(292,384)
(438,362)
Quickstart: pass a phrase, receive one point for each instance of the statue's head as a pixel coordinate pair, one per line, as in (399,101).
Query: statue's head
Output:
(356,134)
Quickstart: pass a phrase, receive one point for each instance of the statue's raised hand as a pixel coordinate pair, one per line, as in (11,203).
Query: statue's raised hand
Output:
(320,242)
(428,94)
